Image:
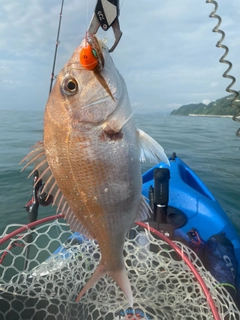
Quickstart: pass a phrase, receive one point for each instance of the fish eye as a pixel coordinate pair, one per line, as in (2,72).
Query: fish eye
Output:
(70,86)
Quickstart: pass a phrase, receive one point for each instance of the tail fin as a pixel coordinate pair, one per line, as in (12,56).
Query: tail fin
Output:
(97,275)
(120,276)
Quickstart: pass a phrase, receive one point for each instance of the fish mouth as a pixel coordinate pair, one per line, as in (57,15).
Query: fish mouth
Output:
(97,45)
(97,106)
(90,121)
(92,59)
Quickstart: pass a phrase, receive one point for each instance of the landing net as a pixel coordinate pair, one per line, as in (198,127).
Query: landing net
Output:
(46,283)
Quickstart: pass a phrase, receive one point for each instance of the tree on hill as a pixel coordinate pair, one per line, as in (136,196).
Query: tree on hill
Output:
(218,107)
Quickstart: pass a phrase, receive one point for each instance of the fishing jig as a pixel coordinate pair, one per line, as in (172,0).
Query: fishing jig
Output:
(91,57)
(88,57)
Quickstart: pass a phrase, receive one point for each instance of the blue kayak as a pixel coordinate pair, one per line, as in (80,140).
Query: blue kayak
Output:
(190,195)
(199,221)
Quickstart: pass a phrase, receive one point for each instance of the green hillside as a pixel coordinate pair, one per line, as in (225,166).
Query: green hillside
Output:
(218,107)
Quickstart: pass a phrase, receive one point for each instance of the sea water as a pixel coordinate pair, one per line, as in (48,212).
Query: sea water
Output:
(208,145)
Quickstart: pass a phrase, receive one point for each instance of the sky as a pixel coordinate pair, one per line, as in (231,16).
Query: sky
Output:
(167,54)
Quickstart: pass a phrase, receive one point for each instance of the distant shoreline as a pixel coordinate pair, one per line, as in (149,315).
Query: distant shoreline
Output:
(209,115)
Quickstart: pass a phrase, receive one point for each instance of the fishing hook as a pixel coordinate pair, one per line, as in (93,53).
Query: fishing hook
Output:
(226,74)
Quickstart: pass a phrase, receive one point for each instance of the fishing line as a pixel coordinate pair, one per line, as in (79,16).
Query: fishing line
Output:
(56,48)
(87,15)
(121,4)
(226,74)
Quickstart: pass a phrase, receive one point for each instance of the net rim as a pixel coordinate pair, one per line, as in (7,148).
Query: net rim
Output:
(28,226)
(160,235)
(199,278)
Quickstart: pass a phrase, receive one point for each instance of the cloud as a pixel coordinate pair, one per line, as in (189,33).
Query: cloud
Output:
(7,81)
(172,106)
(167,54)
(213,84)
(206,101)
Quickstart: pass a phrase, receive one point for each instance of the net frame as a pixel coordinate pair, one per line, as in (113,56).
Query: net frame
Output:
(206,292)
(180,250)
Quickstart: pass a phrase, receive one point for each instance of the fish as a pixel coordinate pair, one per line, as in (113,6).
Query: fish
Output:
(90,157)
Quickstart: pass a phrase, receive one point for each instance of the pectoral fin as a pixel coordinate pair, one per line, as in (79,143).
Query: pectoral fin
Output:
(145,210)
(150,149)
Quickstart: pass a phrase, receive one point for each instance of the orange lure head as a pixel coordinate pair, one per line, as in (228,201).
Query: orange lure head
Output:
(88,57)
(91,58)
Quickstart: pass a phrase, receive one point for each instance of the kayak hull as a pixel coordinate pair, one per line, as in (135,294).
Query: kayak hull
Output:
(188,194)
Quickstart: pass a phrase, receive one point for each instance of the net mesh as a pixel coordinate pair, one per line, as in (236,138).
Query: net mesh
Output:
(163,285)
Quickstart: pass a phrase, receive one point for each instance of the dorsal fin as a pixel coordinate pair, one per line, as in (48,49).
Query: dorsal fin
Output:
(38,157)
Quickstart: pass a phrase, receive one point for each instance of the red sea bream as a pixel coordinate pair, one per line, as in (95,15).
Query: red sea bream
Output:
(90,158)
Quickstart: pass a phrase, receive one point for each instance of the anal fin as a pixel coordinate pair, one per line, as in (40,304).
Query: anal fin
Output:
(75,225)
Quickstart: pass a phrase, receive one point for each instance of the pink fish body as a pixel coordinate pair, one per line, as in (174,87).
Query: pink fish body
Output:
(90,160)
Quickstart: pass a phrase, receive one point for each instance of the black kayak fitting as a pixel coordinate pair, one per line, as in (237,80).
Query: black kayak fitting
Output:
(165,218)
